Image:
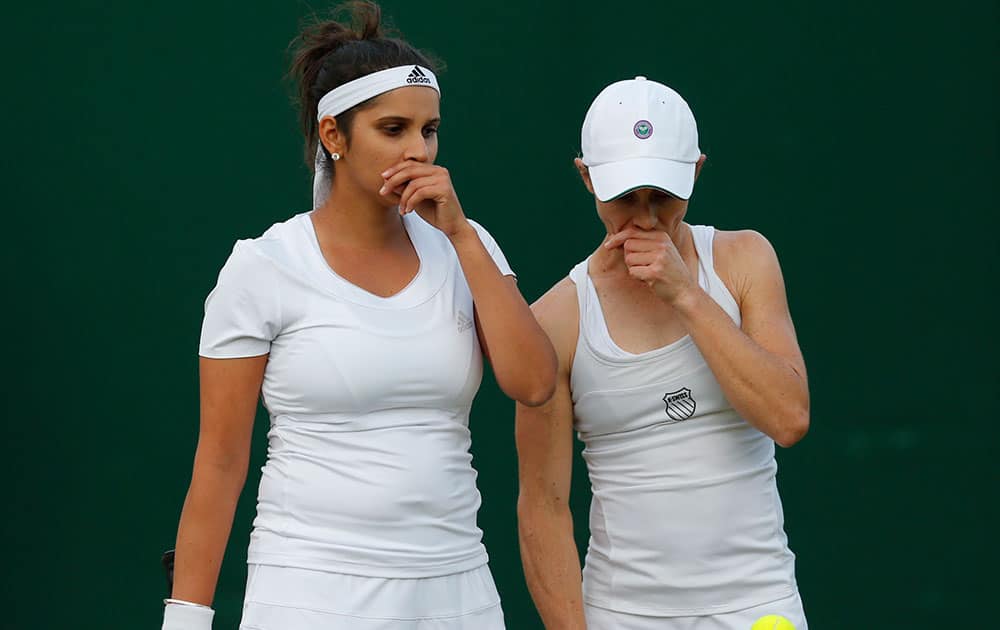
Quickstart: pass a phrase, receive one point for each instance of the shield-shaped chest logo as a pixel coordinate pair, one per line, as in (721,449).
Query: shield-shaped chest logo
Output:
(680,404)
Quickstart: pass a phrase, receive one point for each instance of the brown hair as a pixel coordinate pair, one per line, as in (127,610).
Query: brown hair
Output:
(328,54)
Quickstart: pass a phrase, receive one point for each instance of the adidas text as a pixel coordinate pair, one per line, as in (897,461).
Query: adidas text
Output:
(417,76)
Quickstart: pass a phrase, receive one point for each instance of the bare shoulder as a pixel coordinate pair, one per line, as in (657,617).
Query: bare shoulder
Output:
(744,258)
(558,314)
(742,245)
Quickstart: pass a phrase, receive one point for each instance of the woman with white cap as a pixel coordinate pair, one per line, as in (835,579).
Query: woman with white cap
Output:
(363,323)
(680,369)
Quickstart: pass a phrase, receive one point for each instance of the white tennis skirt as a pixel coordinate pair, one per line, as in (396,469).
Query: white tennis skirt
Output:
(286,598)
(789,607)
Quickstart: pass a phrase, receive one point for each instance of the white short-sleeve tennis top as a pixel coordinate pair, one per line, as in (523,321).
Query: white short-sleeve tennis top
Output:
(368,467)
(685,518)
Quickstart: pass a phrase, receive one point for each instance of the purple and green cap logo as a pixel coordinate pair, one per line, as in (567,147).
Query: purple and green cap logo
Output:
(643,129)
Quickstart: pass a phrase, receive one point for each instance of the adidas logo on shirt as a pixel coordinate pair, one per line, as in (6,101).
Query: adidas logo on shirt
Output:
(417,76)
(464,322)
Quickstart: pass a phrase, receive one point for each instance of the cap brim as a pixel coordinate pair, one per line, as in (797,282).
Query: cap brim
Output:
(614,179)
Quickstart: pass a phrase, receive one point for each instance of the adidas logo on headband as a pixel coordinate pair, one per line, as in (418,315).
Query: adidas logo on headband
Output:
(417,76)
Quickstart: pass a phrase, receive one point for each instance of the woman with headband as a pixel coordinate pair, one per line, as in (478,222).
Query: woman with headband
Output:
(679,368)
(363,323)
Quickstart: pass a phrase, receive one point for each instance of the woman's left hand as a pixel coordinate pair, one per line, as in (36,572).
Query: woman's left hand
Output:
(652,257)
(427,189)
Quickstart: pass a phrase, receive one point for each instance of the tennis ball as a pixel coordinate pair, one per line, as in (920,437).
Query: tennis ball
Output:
(772,622)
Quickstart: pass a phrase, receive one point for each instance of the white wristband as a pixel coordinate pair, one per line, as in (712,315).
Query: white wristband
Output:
(181,615)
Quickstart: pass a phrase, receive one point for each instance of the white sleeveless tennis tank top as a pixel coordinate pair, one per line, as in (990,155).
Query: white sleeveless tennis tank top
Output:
(685,517)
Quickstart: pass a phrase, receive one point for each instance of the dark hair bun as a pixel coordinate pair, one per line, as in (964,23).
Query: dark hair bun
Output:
(329,53)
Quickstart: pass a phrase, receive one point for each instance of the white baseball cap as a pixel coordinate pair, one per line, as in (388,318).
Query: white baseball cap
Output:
(640,134)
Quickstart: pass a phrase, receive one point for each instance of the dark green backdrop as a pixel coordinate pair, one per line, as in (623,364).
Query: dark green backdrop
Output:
(142,139)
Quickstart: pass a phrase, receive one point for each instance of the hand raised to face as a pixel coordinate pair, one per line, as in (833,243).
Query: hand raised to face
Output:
(426,189)
(652,257)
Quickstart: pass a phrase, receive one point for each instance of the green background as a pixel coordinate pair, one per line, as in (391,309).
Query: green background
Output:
(142,139)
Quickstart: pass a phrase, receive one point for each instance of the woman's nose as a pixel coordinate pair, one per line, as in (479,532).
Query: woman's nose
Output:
(645,219)
(417,150)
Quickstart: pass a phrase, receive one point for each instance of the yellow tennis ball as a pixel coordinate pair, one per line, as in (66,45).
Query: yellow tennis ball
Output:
(772,622)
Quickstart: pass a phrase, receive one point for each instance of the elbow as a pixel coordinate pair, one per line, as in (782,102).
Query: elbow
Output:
(228,469)
(538,389)
(793,429)
(537,395)
(542,384)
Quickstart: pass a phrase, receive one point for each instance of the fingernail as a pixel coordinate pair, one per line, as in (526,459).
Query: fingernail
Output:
(385,173)
(381,190)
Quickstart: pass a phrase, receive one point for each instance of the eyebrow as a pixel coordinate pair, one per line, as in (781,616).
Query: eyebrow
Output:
(403,119)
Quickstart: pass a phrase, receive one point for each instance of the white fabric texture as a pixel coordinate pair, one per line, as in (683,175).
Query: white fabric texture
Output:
(368,468)
(182,617)
(282,598)
(789,607)
(685,518)
(344,97)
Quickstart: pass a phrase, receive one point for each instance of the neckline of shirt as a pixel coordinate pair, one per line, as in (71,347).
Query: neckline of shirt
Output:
(612,352)
(430,276)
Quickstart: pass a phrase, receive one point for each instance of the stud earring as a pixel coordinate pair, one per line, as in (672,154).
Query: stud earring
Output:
(334,156)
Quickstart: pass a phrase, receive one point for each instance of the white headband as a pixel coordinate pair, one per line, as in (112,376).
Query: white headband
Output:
(346,96)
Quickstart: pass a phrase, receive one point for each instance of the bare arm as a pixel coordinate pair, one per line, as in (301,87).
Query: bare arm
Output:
(523,360)
(545,456)
(229,392)
(759,365)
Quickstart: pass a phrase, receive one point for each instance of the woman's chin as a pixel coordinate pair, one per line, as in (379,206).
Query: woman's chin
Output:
(388,201)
